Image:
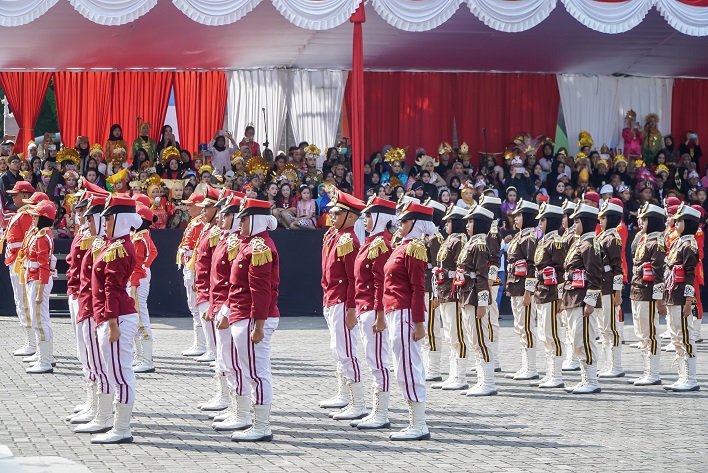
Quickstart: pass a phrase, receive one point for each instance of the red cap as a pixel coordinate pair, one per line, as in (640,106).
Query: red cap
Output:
(254,207)
(84,184)
(670,201)
(702,211)
(45,208)
(347,202)
(616,201)
(119,203)
(672,209)
(143,199)
(379,205)
(194,198)
(35,198)
(211,197)
(543,198)
(21,186)
(594,196)
(414,211)
(144,211)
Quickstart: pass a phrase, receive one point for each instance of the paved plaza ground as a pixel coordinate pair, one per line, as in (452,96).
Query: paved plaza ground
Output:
(522,429)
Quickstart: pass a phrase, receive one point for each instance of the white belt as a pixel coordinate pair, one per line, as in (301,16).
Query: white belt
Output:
(12,246)
(451,274)
(430,266)
(32,265)
(608,268)
(472,274)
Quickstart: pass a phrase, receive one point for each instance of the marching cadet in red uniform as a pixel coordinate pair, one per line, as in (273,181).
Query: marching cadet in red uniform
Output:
(680,296)
(17,228)
(571,362)
(238,416)
(472,281)
(404,307)
(612,278)
(432,343)
(339,251)
(450,307)
(581,295)
(39,269)
(114,311)
(186,249)
(139,288)
(647,291)
(700,279)
(548,259)
(369,274)
(493,204)
(253,310)
(520,286)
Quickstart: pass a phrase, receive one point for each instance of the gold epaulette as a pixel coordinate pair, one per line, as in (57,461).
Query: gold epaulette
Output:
(97,245)
(558,241)
(345,244)
(86,242)
(137,236)
(233,243)
(416,249)
(260,252)
(494,229)
(694,244)
(440,238)
(481,242)
(214,235)
(377,247)
(115,251)
(596,246)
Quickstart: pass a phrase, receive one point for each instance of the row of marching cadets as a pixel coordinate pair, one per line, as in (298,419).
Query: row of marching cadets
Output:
(231,273)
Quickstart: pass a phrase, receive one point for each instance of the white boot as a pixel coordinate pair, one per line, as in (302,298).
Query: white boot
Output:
(524,361)
(417,429)
(690,383)
(571,362)
(146,365)
(341,399)
(30,346)
(615,370)
(589,374)
(260,432)
(44,365)
(555,380)
(652,374)
(697,336)
(208,356)
(432,367)
(198,347)
(357,408)
(104,417)
(495,355)
(120,433)
(378,419)
(138,350)
(451,374)
(487,387)
(529,362)
(549,370)
(220,401)
(89,413)
(240,418)
(90,391)
(460,380)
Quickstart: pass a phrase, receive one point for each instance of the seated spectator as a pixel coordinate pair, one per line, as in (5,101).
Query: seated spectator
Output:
(305,215)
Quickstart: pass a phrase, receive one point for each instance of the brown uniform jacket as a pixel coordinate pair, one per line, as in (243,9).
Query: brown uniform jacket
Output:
(683,252)
(650,249)
(474,261)
(569,237)
(612,246)
(432,244)
(549,254)
(447,261)
(585,255)
(522,247)
(494,250)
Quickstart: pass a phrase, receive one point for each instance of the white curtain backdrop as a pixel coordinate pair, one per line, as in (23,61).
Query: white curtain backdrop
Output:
(590,104)
(511,17)
(249,92)
(316,105)
(216,12)
(414,15)
(317,15)
(688,19)
(645,96)
(113,12)
(21,12)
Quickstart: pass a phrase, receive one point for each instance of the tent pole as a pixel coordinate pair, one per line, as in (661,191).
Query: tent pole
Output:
(357,101)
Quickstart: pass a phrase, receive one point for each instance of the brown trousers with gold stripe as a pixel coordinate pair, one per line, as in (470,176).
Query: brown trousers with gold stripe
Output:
(477,333)
(584,330)
(681,335)
(646,324)
(548,328)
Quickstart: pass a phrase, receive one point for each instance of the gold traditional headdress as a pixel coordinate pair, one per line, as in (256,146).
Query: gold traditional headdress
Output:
(312,150)
(168,153)
(395,155)
(257,163)
(69,154)
(584,139)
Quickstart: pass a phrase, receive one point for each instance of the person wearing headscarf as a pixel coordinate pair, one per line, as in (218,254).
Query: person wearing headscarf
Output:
(167,139)
(369,276)
(143,141)
(253,313)
(404,307)
(114,311)
(494,245)
(115,139)
(221,151)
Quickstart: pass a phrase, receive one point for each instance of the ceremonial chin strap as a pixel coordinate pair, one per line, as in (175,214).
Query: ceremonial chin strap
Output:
(346,216)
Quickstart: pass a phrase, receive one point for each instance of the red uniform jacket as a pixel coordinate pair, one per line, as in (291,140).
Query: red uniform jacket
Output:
(404,281)
(202,261)
(145,254)
(79,247)
(17,229)
(255,276)
(190,239)
(369,273)
(112,268)
(39,255)
(85,274)
(224,253)
(339,252)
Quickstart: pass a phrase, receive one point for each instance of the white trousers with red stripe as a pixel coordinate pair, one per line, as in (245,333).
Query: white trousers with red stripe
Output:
(342,342)
(96,368)
(73,303)
(82,349)
(255,359)
(39,313)
(407,356)
(227,359)
(376,349)
(140,294)
(188,275)
(19,291)
(117,357)
(208,326)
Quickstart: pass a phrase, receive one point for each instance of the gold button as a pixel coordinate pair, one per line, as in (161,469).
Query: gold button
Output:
(367,265)
(365,307)
(223,262)
(367,287)
(339,259)
(98,269)
(89,266)
(100,290)
(339,301)
(340,281)
(241,266)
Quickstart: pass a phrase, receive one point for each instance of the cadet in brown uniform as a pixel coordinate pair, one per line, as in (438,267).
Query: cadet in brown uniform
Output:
(450,308)
(571,362)
(612,247)
(493,204)
(581,295)
(549,258)
(432,343)
(680,296)
(647,290)
(520,285)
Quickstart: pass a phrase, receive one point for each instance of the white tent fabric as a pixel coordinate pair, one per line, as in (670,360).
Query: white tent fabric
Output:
(251,91)
(644,96)
(407,15)
(315,104)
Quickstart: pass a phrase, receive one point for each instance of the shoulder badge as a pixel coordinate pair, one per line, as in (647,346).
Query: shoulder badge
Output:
(494,229)
(233,242)
(97,245)
(416,249)
(558,241)
(596,246)
(115,251)
(137,236)
(345,244)
(377,247)
(480,241)
(694,245)
(440,238)
(260,252)
(327,234)
(214,235)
